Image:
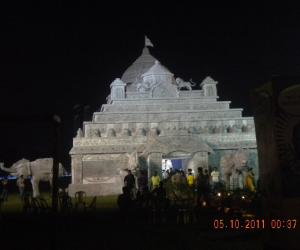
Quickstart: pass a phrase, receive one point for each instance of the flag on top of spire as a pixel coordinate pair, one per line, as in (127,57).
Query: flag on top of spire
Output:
(148,43)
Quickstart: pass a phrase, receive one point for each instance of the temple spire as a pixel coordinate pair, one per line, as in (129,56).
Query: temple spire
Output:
(148,43)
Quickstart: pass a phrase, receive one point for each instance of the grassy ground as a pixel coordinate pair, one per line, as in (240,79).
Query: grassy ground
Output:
(107,229)
(14,204)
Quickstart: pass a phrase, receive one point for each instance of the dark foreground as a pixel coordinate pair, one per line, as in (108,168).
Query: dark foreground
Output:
(110,230)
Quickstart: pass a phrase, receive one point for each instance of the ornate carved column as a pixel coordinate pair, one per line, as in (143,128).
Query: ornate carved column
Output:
(76,169)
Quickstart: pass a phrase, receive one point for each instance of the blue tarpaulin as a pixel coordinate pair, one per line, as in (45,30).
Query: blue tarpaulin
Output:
(177,164)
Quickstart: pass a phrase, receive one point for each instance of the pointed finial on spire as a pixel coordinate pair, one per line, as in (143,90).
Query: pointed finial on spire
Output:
(148,43)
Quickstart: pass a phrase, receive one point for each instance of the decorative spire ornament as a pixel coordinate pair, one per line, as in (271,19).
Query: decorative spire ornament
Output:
(148,43)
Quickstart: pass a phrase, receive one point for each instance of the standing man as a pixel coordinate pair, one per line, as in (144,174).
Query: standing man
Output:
(5,189)
(129,182)
(165,174)
(155,180)
(215,179)
(206,185)
(142,182)
(200,184)
(250,181)
(191,179)
(21,186)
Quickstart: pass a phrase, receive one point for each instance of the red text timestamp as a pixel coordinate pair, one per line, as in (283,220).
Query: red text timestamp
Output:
(253,224)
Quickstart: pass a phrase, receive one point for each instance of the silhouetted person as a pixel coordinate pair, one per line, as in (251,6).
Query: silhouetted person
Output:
(200,184)
(206,185)
(160,193)
(159,202)
(129,182)
(183,178)
(4,189)
(142,181)
(170,172)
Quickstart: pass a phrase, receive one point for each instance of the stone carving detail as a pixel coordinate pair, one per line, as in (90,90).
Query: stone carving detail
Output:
(143,87)
(97,133)
(126,132)
(181,84)
(154,132)
(246,128)
(229,129)
(102,179)
(164,90)
(111,132)
(231,162)
(88,133)
(141,131)
(100,157)
(132,160)
(192,130)
(216,130)
(79,133)
(236,128)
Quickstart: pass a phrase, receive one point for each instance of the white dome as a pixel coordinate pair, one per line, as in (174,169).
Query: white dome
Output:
(157,69)
(141,65)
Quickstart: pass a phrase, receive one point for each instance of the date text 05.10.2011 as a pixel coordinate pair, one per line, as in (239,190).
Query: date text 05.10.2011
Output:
(255,224)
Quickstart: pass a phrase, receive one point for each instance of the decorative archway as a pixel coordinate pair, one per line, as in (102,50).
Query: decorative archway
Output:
(159,146)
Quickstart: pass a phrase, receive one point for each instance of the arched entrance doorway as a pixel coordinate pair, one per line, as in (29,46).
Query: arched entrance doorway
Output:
(181,151)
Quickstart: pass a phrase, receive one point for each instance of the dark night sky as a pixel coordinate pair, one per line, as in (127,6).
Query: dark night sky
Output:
(52,60)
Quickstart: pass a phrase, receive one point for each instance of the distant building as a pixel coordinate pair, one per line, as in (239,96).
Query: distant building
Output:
(152,116)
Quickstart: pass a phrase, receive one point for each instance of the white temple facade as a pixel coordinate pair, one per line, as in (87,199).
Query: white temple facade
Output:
(151,115)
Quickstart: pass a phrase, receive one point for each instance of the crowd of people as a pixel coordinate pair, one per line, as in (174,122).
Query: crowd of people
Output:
(199,188)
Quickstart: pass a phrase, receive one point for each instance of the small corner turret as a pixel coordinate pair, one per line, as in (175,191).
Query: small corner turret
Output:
(209,87)
(117,89)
